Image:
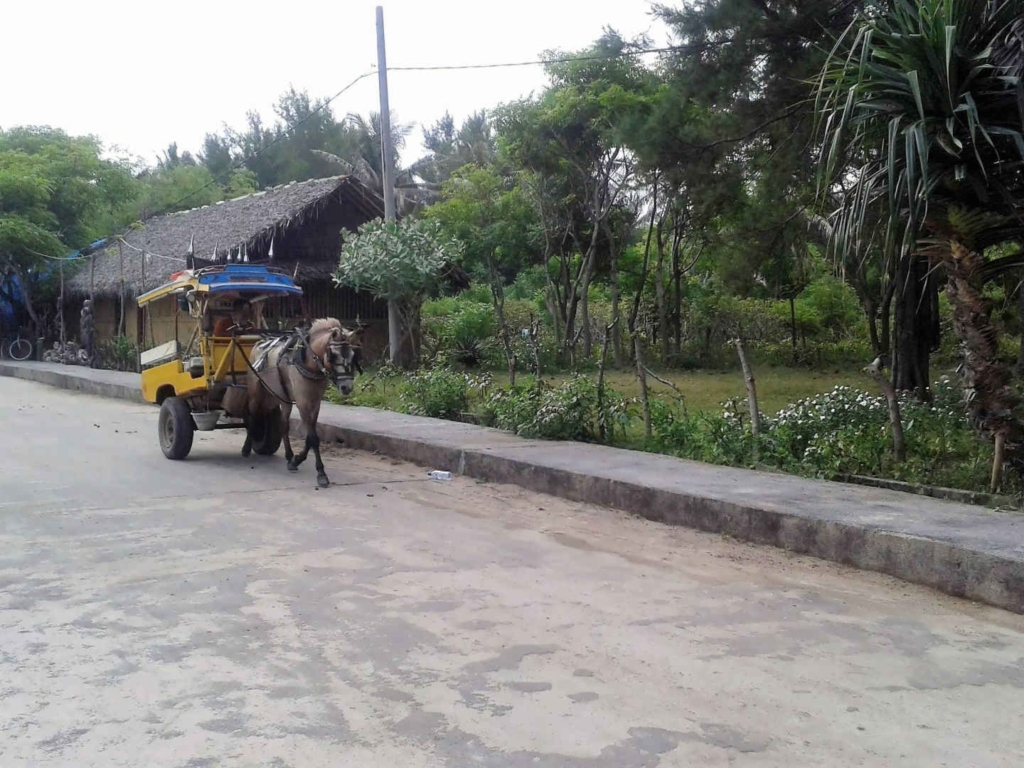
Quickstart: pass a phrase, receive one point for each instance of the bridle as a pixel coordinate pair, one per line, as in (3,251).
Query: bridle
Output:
(335,349)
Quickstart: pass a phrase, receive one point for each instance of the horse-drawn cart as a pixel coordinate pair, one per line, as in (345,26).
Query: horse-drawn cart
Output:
(225,305)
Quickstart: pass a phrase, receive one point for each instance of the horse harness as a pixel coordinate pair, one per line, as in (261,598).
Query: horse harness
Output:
(295,344)
(294,347)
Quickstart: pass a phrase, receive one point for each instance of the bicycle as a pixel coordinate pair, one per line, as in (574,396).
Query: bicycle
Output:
(17,348)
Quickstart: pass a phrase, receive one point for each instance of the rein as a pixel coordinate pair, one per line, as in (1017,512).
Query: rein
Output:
(302,339)
(260,378)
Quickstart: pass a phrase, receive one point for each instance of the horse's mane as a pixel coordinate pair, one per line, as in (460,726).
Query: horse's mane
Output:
(324,325)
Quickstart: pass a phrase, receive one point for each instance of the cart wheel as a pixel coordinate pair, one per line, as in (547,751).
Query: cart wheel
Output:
(176,428)
(266,433)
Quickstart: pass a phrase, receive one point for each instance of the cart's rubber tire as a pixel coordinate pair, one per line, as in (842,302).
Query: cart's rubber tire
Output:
(176,428)
(266,433)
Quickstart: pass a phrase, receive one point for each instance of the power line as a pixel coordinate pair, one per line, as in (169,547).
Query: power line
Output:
(536,62)
(426,68)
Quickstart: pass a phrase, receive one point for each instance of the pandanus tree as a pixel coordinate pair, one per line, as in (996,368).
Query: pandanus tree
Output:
(920,109)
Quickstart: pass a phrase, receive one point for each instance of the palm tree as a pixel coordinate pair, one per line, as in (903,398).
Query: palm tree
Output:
(921,113)
(358,152)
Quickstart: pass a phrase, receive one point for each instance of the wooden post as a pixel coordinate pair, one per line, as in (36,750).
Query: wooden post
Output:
(60,311)
(641,375)
(755,412)
(120,320)
(997,462)
(388,166)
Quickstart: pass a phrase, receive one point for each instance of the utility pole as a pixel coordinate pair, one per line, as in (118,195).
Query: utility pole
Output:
(388,157)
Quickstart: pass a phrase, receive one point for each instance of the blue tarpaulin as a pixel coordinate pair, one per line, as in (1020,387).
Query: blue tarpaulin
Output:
(13,288)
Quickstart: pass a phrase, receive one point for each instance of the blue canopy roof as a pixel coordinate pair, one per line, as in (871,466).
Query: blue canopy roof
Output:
(247,277)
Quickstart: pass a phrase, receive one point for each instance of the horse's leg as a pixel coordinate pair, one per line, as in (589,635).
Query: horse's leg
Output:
(247,445)
(304,419)
(313,441)
(286,423)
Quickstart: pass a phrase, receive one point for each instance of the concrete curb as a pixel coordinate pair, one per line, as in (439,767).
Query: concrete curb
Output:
(958,549)
(101,383)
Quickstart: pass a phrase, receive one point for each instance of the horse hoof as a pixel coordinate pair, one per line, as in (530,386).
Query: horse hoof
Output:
(292,467)
(322,481)
(245,453)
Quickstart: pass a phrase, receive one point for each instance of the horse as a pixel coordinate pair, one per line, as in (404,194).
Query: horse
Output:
(295,369)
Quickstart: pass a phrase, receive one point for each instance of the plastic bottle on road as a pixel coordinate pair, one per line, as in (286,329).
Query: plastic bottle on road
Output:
(439,474)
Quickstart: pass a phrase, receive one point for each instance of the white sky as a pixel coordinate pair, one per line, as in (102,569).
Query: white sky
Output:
(143,74)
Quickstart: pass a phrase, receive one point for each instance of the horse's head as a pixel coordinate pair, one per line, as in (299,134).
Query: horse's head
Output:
(342,358)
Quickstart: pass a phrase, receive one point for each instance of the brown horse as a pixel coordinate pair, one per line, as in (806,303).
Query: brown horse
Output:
(295,370)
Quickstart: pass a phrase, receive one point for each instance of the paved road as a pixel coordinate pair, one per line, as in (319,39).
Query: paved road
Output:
(222,611)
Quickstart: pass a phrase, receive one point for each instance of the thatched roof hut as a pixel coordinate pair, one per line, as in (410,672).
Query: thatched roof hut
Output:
(303,220)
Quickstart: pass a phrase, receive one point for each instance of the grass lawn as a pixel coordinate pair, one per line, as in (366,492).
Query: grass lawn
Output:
(777,387)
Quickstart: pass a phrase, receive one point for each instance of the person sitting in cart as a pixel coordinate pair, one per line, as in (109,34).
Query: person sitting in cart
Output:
(240,319)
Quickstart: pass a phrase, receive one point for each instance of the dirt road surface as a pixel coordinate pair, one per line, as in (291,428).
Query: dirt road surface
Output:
(222,611)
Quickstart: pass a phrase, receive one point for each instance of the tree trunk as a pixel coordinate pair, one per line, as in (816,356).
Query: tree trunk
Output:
(498,299)
(871,315)
(916,326)
(602,427)
(986,380)
(641,376)
(1020,311)
(613,279)
(26,296)
(677,296)
(588,340)
(886,320)
(792,327)
(659,294)
(875,370)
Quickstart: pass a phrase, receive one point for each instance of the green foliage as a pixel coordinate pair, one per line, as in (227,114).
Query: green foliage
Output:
(843,431)
(440,393)
(177,188)
(119,354)
(461,330)
(568,411)
(923,100)
(57,194)
(493,218)
(450,149)
(395,259)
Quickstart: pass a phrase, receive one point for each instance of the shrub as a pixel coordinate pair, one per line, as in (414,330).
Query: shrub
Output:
(118,354)
(462,329)
(437,392)
(568,411)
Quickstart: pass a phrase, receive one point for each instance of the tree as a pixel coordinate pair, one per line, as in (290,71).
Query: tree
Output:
(571,140)
(217,156)
(400,260)
(925,99)
(450,149)
(731,131)
(56,194)
(499,229)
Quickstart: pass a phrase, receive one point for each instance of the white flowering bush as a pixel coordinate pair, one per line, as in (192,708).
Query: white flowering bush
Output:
(842,431)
